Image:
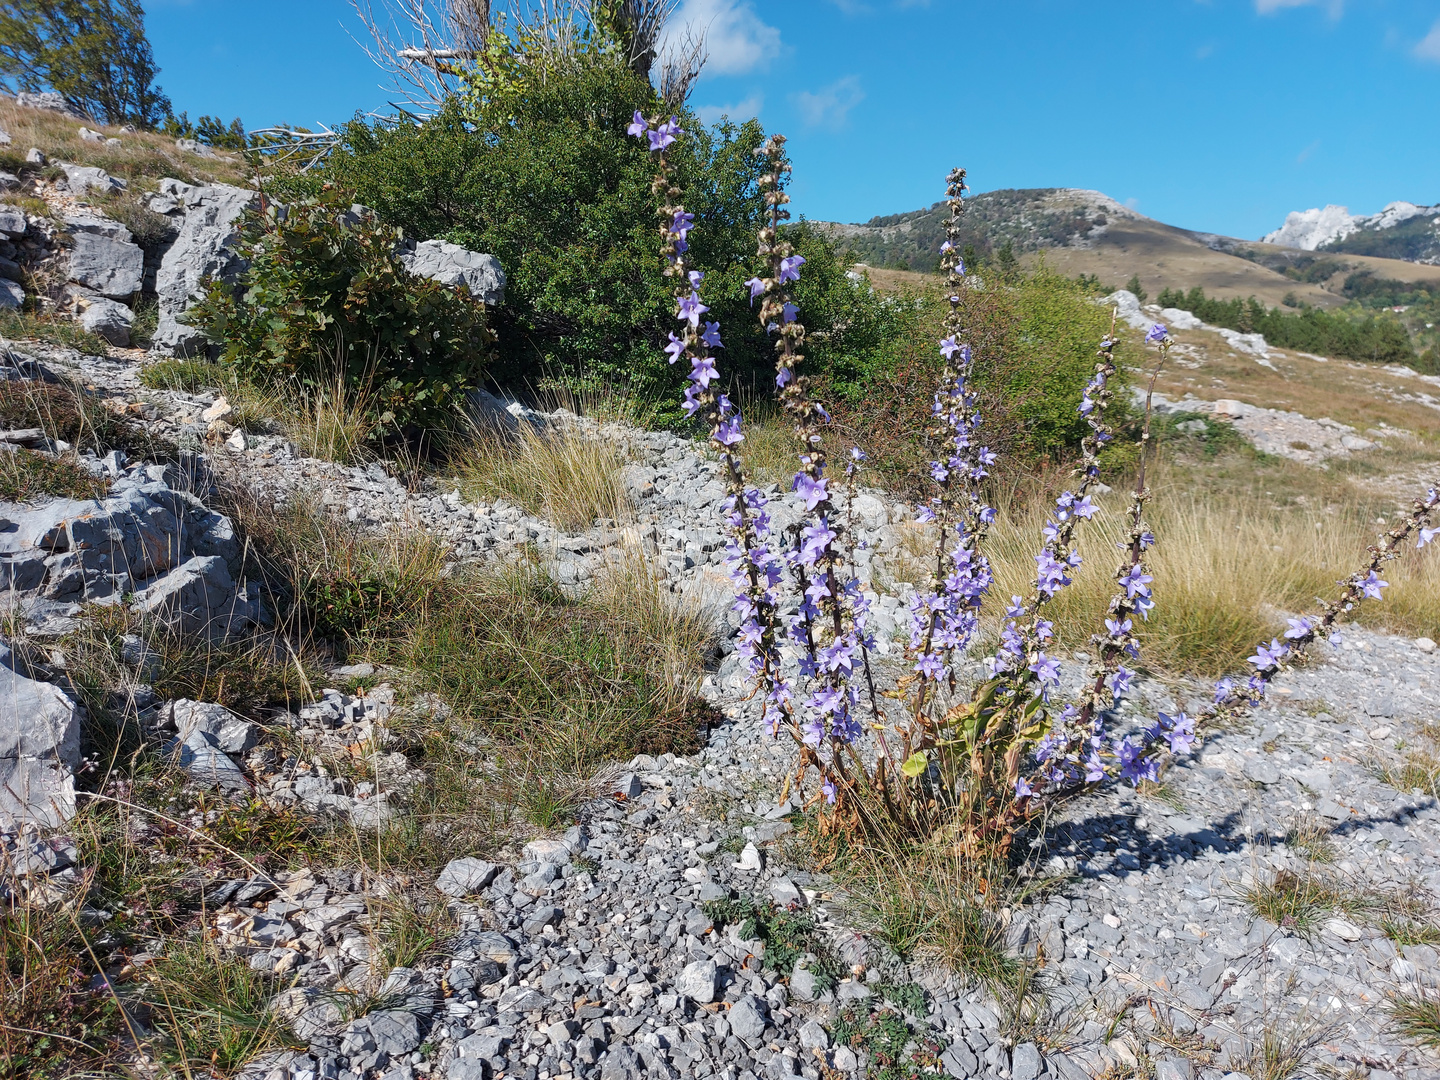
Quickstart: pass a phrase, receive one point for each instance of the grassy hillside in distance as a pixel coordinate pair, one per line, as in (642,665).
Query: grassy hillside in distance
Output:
(1086,232)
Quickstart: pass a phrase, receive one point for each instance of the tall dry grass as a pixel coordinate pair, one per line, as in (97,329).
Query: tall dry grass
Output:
(569,475)
(140,156)
(1227,568)
(1226,573)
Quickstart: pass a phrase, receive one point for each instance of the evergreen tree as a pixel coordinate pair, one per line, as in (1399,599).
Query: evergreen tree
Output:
(1134,286)
(93,53)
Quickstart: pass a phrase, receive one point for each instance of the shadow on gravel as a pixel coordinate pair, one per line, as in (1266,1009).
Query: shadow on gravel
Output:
(1111,843)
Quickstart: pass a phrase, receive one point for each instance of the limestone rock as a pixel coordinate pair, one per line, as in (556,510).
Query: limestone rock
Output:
(462,877)
(193,597)
(231,733)
(201,250)
(747,1018)
(83,178)
(50,101)
(195,147)
(206,763)
(1128,305)
(110,320)
(12,295)
(698,981)
(1176,319)
(12,221)
(452,264)
(113,268)
(39,749)
(100,226)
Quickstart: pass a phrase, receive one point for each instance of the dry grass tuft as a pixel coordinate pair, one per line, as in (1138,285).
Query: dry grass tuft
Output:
(141,156)
(1283,1051)
(1418,769)
(570,476)
(333,423)
(1225,572)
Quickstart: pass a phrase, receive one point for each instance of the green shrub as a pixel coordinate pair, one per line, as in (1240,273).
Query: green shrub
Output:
(549,182)
(1034,338)
(326,302)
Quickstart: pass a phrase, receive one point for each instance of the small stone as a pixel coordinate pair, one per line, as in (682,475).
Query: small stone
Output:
(1425,644)
(750,859)
(543,916)
(395,1031)
(786,893)
(747,1018)
(521,999)
(462,877)
(1174,1069)
(217,411)
(561,1033)
(1026,1063)
(1344,930)
(697,981)
(960,1061)
(853,990)
(802,985)
(814,1037)
(553,852)
(628,786)
(237,441)
(1261,770)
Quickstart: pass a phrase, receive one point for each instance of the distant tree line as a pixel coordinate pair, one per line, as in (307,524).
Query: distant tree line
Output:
(95,55)
(1369,339)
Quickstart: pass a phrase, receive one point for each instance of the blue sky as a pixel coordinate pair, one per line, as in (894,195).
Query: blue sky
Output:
(1221,115)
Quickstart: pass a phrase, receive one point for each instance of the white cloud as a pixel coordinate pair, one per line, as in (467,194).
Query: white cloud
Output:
(830,105)
(737,40)
(739,112)
(1268,7)
(1429,46)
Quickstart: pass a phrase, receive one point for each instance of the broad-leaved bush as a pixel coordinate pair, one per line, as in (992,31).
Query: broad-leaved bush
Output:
(326,304)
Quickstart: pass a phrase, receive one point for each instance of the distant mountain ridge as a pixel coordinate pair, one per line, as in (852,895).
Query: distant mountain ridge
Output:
(1403,230)
(1029,219)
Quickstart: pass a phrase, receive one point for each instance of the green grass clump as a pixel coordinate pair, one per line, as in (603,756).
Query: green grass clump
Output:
(1417,1016)
(26,475)
(49,1015)
(184,375)
(1404,932)
(1311,837)
(27,326)
(569,476)
(1299,901)
(210,1010)
(1418,768)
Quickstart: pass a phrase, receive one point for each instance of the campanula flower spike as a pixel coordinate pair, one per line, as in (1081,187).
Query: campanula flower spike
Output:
(830,628)
(754,569)
(1234,697)
(1077,751)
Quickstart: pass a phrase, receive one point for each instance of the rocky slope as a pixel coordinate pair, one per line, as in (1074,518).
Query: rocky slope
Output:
(602,952)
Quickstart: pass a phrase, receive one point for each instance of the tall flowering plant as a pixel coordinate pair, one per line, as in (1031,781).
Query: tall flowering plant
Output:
(968,762)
